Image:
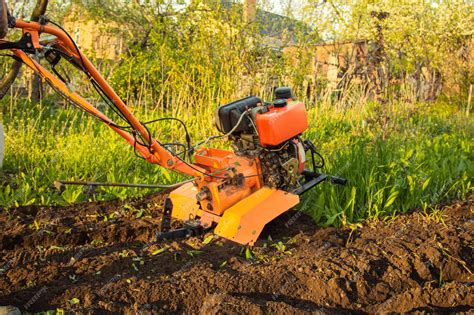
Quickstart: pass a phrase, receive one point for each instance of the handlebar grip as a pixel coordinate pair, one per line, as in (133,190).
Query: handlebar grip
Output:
(338,180)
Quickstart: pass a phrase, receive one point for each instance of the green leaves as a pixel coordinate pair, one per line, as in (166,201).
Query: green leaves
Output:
(208,240)
(194,253)
(74,301)
(248,253)
(159,251)
(417,164)
(425,184)
(391,199)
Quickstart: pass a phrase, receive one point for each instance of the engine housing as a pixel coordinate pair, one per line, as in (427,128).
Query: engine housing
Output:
(269,132)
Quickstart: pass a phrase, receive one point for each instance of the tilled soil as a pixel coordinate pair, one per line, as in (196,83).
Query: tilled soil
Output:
(99,258)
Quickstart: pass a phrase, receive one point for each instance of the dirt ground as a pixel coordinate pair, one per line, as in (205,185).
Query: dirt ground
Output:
(97,258)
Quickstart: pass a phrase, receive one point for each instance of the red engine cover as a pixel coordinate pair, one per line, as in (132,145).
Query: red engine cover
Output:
(281,123)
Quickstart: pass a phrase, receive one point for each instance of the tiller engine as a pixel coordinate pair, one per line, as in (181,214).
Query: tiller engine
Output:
(235,192)
(263,176)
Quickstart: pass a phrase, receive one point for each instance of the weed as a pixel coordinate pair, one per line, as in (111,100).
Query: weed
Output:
(208,240)
(249,255)
(73,278)
(281,248)
(74,301)
(193,253)
(160,251)
(223,264)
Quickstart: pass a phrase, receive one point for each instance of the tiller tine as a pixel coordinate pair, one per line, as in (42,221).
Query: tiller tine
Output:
(191,229)
(166,220)
(244,221)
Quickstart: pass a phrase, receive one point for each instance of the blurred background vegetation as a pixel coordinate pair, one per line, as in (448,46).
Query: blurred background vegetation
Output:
(387,84)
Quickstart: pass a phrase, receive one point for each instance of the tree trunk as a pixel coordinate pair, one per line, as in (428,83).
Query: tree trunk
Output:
(3,19)
(36,84)
(39,10)
(36,87)
(417,76)
(8,80)
(380,57)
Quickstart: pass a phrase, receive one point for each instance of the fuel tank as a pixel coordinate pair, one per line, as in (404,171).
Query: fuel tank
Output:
(282,121)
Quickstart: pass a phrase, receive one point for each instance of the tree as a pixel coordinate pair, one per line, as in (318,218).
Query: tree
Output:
(6,82)
(3,19)
(417,42)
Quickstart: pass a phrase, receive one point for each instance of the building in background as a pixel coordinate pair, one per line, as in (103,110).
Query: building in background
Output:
(333,62)
(95,37)
(330,63)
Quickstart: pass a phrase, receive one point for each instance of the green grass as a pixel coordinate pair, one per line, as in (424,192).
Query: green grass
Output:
(396,157)
(409,157)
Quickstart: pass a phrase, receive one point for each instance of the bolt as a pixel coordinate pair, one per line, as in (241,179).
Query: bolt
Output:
(170,162)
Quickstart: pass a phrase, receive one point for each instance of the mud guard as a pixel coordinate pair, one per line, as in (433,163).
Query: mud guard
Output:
(244,221)
(184,203)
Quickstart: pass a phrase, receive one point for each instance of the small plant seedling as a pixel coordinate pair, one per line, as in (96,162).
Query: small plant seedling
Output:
(192,253)
(208,239)
(353,227)
(135,267)
(281,248)
(139,213)
(123,254)
(160,251)
(127,208)
(58,248)
(108,217)
(74,301)
(248,253)
(37,226)
(441,281)
(97,242)
(73,278)
(139,259)
(175,256)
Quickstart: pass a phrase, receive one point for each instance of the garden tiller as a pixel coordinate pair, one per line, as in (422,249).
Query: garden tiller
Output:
(234,192)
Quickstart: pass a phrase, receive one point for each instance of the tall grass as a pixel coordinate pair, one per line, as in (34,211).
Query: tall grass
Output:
(404,157)
(396,157)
